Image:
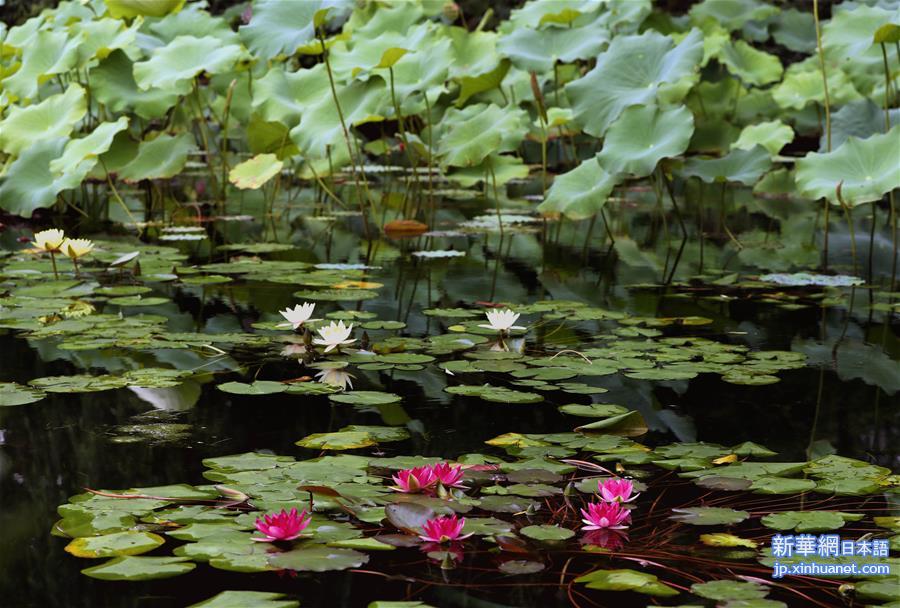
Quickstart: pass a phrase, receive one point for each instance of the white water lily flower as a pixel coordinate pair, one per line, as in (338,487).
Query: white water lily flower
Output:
(77,248)
(501,320)
(335,377)
(49,240)
(298,315)
(334,335)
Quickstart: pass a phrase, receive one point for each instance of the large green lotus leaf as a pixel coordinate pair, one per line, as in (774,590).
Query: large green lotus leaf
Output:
(749,64)
(732,14)
(16,394)
(159,158)
(80,155)
(247,599)
(424,71)
(29,184)
(803,84)
(193,20)
(858,118)
(130,542)
(112,84)
(772,135)
(269,137)
(743,166)
(626,580)
(866,168)
(282,96)
(280,28)
(850,33)
(630,72)
(255,172)
(49,54)
(54,117)
(127,9)
(473,53)
(473,133)
(643,136)
(140,568)
(103,36)
(473,85)
(173,66)
(505,169)
(794,30)
(580,193)
(318,559)
(320,126)
(538,50)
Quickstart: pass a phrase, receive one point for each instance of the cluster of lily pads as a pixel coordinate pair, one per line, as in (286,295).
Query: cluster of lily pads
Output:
(262,512)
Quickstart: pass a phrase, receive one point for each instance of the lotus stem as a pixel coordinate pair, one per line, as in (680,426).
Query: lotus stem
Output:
(402,126)
(847,213)
(53,263)
(223,147)
(496,195)
(337,105)
(821,53)
(887,127)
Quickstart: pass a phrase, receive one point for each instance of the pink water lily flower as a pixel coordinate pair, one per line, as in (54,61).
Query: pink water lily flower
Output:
(617,490)
(605,515)
(418,479)
(282,526)
(443,529)
(449,475)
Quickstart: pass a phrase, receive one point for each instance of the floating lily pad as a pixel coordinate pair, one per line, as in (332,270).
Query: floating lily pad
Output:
(16,394)
(366,398)
(547,532)
(116,544)
(140,568)
(709,516)
(318,559)
(626,580)
(259,387)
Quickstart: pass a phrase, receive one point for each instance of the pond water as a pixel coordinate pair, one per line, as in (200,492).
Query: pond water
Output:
(839,399)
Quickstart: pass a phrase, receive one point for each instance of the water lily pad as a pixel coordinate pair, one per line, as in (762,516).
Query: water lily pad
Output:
(258,387)
(808,521)
(16,394)
(116,544)
(626,580)
(318,559)
(521,566)
(140,568)
(497,394)
(727,540)
(247,599)
(255,172)
(865,168)
(365,398)
(547,532)
(730,590)
(709,516)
